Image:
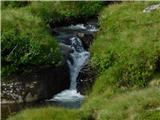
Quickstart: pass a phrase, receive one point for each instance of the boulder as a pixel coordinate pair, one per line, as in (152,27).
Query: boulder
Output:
(39,84)
(151,8)
(86,39)
(86,79)
(66,51)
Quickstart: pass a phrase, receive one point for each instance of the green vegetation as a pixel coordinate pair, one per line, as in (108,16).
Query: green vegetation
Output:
(14,4)
(60,11)
(132,104)
(26,39)
(128,45)
(125,52)
(48,113)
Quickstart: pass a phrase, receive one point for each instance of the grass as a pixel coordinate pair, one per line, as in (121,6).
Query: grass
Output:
(128,105)
(48,113)
(125,52)
(127,44)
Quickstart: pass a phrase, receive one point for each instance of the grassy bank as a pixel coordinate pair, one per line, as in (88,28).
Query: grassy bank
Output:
(126,53)
(127,47)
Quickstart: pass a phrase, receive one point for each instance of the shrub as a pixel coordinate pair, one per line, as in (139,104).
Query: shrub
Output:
(14,4)
(25,41)
(58,11)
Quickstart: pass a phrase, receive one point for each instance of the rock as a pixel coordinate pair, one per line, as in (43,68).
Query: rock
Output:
(154,83)
(42,83)
(86,79)
(86,39)
(151,8)
(158,64)
(66,51)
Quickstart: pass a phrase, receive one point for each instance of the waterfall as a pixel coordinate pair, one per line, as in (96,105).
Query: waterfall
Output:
(79,57)
(70,97)
(79,60)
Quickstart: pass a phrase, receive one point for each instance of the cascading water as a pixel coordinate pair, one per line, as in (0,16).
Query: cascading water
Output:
(70,98)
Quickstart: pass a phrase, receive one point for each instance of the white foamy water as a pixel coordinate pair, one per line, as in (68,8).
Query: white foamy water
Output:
(79,60)
(92,28)
(89,28)
(78,26)
(68,95)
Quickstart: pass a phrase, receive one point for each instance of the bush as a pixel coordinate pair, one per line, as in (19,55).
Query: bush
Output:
(14,4)
(58,11)
(25,41)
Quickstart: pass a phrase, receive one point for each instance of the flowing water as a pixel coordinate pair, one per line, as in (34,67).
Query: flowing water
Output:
(71,98)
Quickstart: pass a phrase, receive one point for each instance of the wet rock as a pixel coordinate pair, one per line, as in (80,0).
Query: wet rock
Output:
(158,64)
(66,51)
(42,83)
(151,8)
(86,39)
(84,32)
(86,79)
